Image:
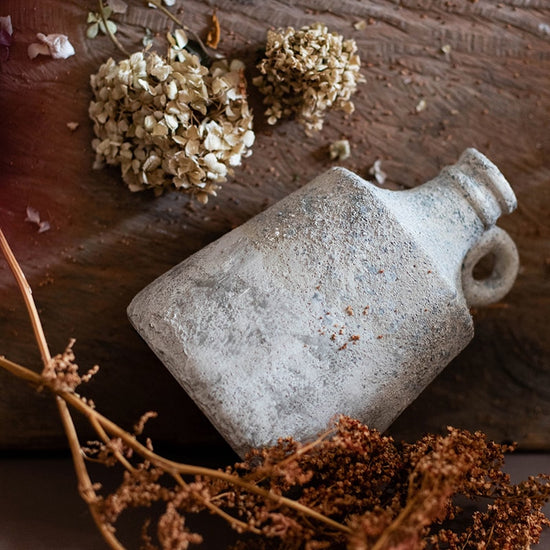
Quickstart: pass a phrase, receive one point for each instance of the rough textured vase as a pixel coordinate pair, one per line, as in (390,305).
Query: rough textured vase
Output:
(343,298)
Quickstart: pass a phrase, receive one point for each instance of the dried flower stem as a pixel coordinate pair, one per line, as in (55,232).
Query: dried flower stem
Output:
(84,483)
(234,522)
(110,34)
(26,292)
(108,427)
(85,486)
(192,33)
(105,438)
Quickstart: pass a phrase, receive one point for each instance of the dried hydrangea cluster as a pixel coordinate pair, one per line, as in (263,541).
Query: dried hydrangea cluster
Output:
(305,72)
(171,121)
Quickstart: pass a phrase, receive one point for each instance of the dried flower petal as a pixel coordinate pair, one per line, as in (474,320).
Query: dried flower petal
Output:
(376,171)
(92,30)
(6,32)
(340,149)
(421,106)
(55,45)
(33,216)
(117,6)
(213,37)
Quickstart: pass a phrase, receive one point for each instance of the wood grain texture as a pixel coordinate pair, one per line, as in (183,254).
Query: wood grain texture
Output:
(491,91)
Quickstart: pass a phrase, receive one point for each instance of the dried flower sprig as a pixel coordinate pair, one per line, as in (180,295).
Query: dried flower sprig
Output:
(306,72)
(117,441)
(352,488)
(171,122)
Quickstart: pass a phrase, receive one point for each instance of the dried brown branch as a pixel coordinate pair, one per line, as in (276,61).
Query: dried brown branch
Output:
(86,488)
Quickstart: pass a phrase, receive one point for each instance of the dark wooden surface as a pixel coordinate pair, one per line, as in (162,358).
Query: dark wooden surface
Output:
(490,91)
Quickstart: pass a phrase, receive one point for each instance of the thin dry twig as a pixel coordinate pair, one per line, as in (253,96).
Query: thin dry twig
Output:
(192,33)
(85,485)
(110,34)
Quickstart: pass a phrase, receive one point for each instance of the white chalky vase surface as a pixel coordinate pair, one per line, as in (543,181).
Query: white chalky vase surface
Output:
(342,298)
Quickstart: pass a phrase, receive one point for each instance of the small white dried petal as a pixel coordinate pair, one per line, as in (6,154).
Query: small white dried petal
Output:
(212,142)
(248,138)
(59,45)
(171,90)
(111,26)
(35,49)
(421,106)
(92,30)
(147,39)
(376,171)
(171,122)
(181,38)
(235,160)
(210,160)
(340,149)
(33,216)
(152,163)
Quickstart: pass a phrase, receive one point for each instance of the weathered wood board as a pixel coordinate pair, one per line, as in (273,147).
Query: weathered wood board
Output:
(491,90)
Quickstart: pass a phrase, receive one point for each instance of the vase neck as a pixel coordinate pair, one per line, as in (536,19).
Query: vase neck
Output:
(448,215)
(481,183)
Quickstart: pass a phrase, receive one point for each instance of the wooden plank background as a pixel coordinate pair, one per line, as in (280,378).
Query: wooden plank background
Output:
(490,91)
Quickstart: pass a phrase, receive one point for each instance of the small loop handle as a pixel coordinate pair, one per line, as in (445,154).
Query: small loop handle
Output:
(483,292)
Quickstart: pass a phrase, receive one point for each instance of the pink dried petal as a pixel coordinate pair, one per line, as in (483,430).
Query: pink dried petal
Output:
(5,24)
(43,226)
(33,216)
(6,39)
